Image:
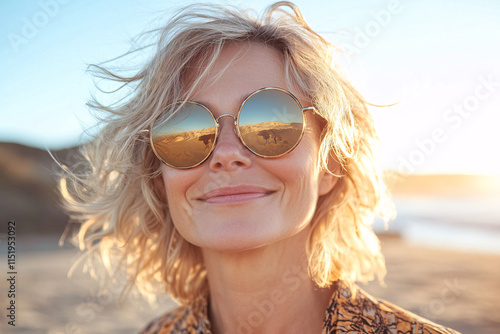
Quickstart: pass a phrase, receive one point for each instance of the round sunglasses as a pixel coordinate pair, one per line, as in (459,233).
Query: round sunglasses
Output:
(270,123)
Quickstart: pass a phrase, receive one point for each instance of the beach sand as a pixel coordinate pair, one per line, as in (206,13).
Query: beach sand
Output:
(457,289)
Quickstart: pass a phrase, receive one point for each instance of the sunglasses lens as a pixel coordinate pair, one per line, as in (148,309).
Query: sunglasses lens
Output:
(185,139)
(271,123)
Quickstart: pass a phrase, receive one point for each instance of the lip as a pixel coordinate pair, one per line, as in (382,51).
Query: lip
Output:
(235,195)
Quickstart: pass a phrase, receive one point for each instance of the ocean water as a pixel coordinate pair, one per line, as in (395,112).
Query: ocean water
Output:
(469,223)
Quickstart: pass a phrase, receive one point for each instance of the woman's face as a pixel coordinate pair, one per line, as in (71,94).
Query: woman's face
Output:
(235,200)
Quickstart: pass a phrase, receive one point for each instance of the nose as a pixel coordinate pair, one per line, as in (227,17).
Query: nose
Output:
(229,152)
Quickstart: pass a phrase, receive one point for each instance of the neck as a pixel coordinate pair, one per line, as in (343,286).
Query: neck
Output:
(265,290)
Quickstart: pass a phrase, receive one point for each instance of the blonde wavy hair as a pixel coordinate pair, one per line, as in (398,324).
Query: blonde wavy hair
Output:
(118,198)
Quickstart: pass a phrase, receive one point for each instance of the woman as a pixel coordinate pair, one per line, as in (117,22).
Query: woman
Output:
(239,178)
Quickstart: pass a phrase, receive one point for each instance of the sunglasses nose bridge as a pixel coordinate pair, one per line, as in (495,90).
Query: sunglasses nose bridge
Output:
(224,115)
(230,115)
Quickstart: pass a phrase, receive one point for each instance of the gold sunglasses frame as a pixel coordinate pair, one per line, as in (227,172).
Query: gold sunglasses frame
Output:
(237,127)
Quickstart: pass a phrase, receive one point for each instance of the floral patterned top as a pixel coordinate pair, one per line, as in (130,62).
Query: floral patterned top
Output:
(350,311)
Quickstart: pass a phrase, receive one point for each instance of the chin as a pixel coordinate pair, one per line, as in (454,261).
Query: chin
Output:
(237,238)
(234,240)
(235,246)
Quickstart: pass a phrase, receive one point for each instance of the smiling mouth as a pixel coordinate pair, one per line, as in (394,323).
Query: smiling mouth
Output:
(235,195)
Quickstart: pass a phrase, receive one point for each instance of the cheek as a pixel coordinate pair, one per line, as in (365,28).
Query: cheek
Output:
(176,185)
(299,176)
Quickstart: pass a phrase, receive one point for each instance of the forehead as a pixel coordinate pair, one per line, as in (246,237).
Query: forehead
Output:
(240,69)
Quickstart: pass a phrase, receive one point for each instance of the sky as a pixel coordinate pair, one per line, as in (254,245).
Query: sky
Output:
(437,61)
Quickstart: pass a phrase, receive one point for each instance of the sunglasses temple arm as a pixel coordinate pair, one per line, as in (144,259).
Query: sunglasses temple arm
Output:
(314,110)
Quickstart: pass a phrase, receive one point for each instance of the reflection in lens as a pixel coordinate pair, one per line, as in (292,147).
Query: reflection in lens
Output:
(271,123)
(187,138)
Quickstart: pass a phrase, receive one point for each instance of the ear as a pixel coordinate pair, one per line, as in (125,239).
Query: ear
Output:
(326,180)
